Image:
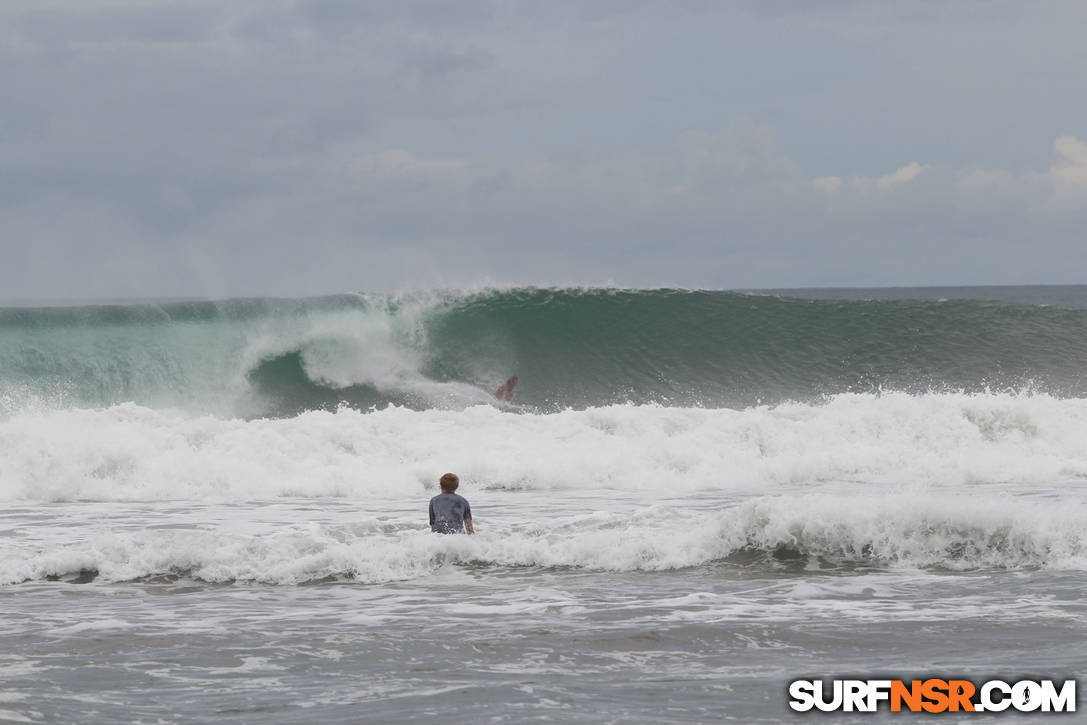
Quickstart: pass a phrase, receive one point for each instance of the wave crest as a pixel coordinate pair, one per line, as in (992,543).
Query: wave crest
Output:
(570,347)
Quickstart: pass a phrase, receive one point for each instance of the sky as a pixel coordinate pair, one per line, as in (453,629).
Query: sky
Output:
(163,148)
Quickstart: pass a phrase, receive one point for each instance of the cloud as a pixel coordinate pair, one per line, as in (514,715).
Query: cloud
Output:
(63,26)
(981,180)
(902,175)
(1063,185)
(402,163)
(729,198)
(724,208)
(1060,187)
(1069,171)
(304,146)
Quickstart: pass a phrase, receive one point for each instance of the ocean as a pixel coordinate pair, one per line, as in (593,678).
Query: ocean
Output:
(214,511)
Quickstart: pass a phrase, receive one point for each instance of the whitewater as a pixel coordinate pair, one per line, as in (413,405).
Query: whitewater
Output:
(214,511)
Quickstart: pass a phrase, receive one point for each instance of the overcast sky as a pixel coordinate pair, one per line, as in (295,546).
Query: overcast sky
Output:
(290,147)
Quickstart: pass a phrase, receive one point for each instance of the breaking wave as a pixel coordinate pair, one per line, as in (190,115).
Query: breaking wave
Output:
(570,348)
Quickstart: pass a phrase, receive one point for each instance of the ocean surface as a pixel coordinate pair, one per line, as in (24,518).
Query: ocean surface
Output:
(215,511)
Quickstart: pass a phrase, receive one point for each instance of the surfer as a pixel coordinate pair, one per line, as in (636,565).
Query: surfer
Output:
(506,391)
(450,513)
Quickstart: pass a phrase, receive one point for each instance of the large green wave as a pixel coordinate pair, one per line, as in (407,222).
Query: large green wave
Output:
(569,347)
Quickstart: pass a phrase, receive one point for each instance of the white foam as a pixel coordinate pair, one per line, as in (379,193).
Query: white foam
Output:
(955,481)
(94,626)
(905,530)
(132,453)
(382,345)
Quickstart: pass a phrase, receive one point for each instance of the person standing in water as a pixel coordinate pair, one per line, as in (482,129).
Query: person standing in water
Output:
(450,513)
(506,391)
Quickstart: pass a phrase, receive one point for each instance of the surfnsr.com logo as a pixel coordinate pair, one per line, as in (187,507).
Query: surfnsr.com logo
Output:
(933,695)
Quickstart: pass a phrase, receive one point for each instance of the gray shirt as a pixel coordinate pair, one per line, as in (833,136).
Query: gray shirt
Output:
(448,512)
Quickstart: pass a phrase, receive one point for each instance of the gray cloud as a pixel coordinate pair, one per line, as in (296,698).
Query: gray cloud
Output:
(173,148)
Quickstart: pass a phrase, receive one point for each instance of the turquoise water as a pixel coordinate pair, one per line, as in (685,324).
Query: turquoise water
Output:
(571,348)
